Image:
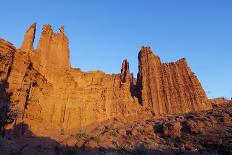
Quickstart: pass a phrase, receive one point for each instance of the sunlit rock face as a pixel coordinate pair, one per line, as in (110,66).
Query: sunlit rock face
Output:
(168,88)
(43,88)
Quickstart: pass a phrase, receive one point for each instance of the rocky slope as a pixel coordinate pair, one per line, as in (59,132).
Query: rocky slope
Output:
(208,132)
(40,87)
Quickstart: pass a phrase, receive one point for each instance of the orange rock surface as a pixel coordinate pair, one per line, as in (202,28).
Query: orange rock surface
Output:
(43,88)
(168,88)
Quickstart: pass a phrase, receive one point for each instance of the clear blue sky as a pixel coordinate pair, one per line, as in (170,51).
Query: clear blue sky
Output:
(104,32)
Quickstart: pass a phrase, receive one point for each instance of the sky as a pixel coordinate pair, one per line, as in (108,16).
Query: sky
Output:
(102,33)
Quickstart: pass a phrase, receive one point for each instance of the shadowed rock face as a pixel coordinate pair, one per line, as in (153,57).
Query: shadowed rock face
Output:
(45,89)
(125,71)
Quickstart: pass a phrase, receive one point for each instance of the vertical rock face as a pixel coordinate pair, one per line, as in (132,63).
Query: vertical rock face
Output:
(7,51)
(29,37)
(125,71)
(168,88)
(149,80)
(52,53)
(46,90)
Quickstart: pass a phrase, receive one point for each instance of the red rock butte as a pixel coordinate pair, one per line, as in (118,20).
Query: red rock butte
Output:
(42,87)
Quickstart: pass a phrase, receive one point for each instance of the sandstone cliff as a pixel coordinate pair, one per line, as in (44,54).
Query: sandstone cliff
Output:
(168,88)
(7,51)
(44,88)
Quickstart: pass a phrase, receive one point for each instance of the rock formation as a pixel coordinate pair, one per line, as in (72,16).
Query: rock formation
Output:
(125,71)
(168,88)
(7,52)
(44,89)
(29,38)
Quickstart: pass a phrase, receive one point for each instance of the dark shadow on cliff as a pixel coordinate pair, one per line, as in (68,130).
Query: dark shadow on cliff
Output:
(133,90)
(20,140)
(6,114)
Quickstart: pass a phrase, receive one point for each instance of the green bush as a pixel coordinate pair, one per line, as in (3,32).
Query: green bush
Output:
(149,143)
(184,138)
(113,133)
(62,131)
(82,134)
(97,139)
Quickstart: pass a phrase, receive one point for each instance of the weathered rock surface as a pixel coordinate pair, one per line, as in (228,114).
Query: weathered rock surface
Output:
(191,133)
(168,88)
(44,89)
(7,52)
(29,38)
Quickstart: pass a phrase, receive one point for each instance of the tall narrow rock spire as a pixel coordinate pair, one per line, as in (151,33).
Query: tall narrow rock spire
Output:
(125,71)
(62,29)
(29,37)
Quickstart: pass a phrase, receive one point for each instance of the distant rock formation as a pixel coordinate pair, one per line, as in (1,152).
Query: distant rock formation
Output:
(43,88)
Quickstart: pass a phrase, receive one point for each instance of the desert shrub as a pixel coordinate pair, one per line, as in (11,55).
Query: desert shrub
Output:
(62,131)
(141,131)
(119,147)
(184,137)
(113,133)
(203,119)
(149,143)
(97,139)
(82,134)
(115,143)
(199,145)
(128,137)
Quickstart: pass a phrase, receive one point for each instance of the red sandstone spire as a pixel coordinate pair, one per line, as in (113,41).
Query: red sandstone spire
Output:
(29,37)
(125,71)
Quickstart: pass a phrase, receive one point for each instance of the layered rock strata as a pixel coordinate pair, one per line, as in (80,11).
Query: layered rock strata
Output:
(44,88)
